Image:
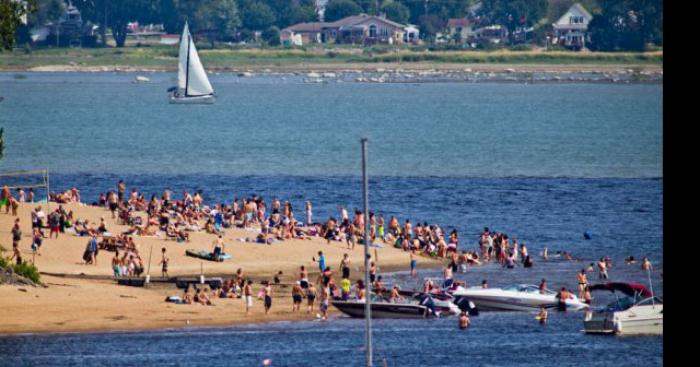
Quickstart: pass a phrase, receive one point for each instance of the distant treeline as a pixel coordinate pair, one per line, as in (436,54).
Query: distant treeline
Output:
(618,25)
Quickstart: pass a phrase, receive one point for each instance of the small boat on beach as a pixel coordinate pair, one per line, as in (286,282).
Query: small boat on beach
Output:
(638,313)
(516,297)
(193,85)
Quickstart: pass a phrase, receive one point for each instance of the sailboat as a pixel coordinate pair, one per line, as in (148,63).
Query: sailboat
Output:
(193,86)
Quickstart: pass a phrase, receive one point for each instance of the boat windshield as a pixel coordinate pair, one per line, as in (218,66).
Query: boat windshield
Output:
(620,304)
(526,288)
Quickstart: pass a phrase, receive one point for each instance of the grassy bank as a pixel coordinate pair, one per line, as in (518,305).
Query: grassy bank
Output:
(165,57)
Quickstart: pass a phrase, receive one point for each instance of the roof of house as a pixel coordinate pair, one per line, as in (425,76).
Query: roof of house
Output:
(579,8)
(306,27)
(459,22)
(355,19)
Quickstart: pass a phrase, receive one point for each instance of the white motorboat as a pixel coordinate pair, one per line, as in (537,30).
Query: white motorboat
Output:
(639,312)
(193,85)
(517,297)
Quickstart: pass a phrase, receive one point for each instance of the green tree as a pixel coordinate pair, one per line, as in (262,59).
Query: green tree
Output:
(12,14)
(514,13)
(396,11)
(627,25)
(117,14)
(217,18)
(271,36)
(306,12)
(256,15)
(339,9)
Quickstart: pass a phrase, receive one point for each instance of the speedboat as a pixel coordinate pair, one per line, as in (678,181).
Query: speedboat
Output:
(638,312)
(383,309)
(516,297)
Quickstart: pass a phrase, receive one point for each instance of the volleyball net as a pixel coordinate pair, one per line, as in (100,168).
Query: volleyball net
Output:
(26,182)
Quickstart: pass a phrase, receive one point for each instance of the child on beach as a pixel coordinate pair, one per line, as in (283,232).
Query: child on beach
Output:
(36,241)
(164,262)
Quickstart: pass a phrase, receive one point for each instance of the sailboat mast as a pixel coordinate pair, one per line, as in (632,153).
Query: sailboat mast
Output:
(368,285)
(187,71)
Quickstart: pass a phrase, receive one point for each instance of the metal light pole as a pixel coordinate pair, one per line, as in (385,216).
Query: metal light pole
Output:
(368,286)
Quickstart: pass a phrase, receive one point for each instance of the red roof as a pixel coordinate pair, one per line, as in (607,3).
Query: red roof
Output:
(459,22)
(626,288)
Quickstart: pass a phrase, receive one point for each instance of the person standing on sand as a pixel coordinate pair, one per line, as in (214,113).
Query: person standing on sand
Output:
(113,205)
(325,295)
(164,262)
(16,254)
(310,298)
(380,228)
(36,241)
(308,213)
(267,292)
(345,266)
(121,187)
(297,296)
(5,199)
(16,233)
(321,261)
(248,296)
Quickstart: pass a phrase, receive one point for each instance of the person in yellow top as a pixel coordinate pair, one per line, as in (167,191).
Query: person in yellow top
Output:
(345,285)
(582,282)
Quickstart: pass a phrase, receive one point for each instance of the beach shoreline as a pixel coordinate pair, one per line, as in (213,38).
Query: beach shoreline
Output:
(71,302)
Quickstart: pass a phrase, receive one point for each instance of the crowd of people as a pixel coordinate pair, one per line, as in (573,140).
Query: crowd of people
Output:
(276,221)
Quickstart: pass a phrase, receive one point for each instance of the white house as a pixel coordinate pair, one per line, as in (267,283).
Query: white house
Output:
(571,29)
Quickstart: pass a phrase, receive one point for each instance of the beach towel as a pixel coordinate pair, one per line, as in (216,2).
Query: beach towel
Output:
(206,255)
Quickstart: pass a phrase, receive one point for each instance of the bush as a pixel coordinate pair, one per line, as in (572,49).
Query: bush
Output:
(28,271)
(271,36)
(521,47)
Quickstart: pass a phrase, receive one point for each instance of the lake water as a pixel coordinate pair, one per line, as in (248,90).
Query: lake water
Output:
(541,162)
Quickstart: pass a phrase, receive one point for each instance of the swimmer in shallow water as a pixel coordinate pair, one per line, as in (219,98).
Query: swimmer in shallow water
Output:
(464,321)
(542,315)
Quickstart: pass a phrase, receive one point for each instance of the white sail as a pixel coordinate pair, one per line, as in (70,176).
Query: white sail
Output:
(191,75)
(182,58)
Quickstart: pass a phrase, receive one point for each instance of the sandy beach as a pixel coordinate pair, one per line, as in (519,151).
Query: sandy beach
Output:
(70,303)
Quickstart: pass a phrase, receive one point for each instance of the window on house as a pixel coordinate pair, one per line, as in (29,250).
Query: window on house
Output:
(372,31)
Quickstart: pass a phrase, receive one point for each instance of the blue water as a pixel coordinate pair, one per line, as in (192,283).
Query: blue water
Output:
(265,126)
(543,163)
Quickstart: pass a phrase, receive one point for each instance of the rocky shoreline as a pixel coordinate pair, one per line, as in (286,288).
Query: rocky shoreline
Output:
(477,74)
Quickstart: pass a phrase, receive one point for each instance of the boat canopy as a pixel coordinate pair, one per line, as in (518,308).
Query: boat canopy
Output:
(626,288)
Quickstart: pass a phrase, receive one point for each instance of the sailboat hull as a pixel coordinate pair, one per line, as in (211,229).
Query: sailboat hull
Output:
(208,99)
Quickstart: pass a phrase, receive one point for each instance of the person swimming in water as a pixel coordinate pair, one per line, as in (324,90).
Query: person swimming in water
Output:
(464,321)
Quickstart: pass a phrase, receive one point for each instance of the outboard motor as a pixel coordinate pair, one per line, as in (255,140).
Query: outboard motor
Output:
(466,305)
